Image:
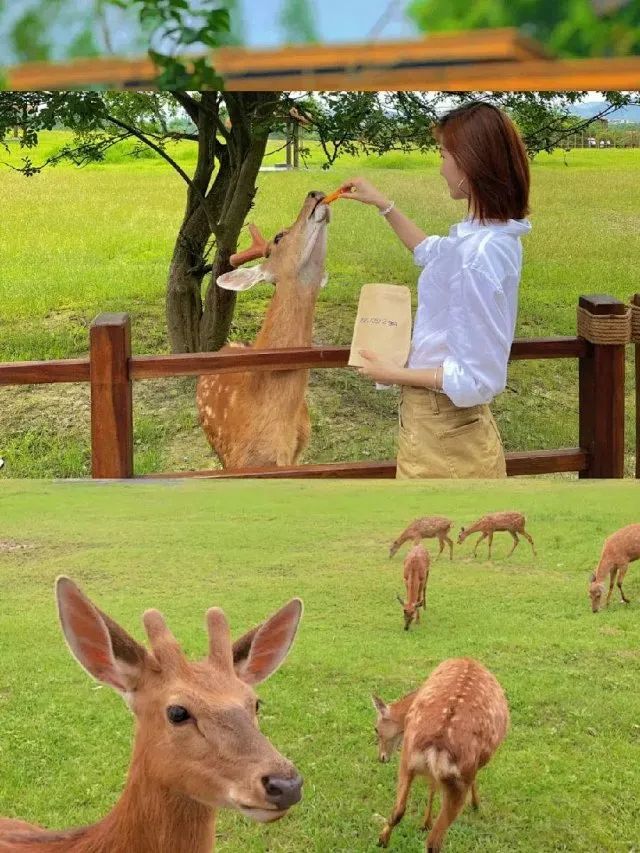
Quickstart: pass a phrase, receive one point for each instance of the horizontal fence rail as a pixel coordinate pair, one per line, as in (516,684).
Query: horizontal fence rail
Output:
(111,369)
(239,360)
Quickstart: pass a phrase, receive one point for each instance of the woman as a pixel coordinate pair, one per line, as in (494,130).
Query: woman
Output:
(467,300)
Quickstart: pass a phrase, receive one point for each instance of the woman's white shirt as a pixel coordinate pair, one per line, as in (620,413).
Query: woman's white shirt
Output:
(468,305)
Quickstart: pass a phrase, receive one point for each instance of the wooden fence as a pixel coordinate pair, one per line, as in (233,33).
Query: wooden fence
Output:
(111,370)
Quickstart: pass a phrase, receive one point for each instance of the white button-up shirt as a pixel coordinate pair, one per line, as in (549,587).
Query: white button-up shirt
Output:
(467,307)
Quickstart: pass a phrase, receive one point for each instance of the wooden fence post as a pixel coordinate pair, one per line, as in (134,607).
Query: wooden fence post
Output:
(601,389)
(111,397)
(635,335)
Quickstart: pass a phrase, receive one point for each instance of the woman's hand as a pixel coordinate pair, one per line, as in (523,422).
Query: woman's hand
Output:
(360,189)
(378,370)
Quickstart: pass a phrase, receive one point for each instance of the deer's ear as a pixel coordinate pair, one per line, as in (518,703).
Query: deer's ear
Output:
(593,577)
(98,643)
(244,278)
(259,652)
(380,706)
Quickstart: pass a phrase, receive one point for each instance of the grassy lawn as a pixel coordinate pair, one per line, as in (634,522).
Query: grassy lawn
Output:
(79,242)
(566,778)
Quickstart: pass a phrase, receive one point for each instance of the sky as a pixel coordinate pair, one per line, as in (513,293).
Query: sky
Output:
(337,20)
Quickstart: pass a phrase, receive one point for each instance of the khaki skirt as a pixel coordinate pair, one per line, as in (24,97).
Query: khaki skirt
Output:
(439,440)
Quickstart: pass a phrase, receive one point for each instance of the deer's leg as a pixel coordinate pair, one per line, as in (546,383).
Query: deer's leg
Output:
(475,550)
(450,544)
(441,541)
(612,580)
(405,779)
(529,540)
(427,823)
(453,799)
(514,536)
(475,799)
(621,573)
(490,543)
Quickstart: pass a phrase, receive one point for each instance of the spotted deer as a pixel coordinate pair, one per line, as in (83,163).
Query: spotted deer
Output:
(428,527)
(197,745)
(449,729)
(512,522)
(620,549)
(416,574)
(260,418)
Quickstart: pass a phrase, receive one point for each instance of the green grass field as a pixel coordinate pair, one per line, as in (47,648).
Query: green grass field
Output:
(77,242)
(566,778)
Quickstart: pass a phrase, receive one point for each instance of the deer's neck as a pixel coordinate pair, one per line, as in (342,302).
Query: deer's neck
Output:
(289,318)
(146,818)
(400,709)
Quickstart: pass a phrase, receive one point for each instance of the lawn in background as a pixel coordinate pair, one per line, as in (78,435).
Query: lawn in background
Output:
(77,242)
(566,778)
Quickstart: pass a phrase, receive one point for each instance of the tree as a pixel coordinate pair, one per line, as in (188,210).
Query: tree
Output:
(221,188)
(566,27)
(297,21)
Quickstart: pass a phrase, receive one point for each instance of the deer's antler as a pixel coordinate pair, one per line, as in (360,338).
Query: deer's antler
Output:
(257,249)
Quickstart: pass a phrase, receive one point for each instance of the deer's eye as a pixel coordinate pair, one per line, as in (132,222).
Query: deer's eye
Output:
(278,237)
(176,714)
(258,705)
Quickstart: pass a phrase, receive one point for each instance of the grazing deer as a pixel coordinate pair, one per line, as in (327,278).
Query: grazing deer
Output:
(260,419)
(620,549)
(426,528)
(513,522)
(197,745)
(416,574)
(449,729)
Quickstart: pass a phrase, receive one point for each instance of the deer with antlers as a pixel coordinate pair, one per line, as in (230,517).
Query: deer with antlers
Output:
(620,549)
(197,747)
(512,522)
(427,527)
(449,729)
(416,574)
(260,419)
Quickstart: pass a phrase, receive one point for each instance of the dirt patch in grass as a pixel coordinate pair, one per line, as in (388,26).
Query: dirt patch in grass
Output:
(11,545)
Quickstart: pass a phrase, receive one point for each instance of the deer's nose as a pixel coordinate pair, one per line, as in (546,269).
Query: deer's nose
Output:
(283,792)
(315,194)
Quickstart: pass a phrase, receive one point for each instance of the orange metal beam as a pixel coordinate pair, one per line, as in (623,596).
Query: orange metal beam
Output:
(477,60)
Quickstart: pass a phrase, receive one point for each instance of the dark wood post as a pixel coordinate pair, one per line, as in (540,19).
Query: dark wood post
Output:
(111,397)
(296,145)
(601,397)
(289,147)
(635,301)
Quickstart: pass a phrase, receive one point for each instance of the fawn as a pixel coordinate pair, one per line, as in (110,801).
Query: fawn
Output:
(620,549)
(416,574)
(197,745)
(428,527)
(449,728)
(513,522)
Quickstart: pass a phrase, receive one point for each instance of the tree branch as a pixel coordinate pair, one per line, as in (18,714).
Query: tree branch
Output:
(188,104)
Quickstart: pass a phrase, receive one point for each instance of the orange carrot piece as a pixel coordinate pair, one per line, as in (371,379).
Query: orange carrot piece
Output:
(334,196)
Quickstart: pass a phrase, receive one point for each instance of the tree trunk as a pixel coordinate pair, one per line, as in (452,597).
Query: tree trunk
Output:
(183,299)
(219,304)
(220,209)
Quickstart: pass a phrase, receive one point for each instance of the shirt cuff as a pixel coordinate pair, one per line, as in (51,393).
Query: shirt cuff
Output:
(423,251)
(460,387)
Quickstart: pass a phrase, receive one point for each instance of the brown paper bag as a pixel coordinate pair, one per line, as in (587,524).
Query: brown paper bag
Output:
(383,324)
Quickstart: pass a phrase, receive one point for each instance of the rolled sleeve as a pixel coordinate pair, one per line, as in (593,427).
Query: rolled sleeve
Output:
(479,340)
(426,250)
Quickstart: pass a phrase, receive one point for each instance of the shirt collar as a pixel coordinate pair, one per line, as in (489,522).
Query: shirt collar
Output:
(471,226)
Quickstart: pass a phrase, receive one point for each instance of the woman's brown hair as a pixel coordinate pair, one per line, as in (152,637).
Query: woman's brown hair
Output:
(486,146)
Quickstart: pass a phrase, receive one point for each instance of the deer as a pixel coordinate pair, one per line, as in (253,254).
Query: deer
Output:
(416,575)
(261,419)
(513,522)
(449,729)
(427,527)
(197,745)
(620,549)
